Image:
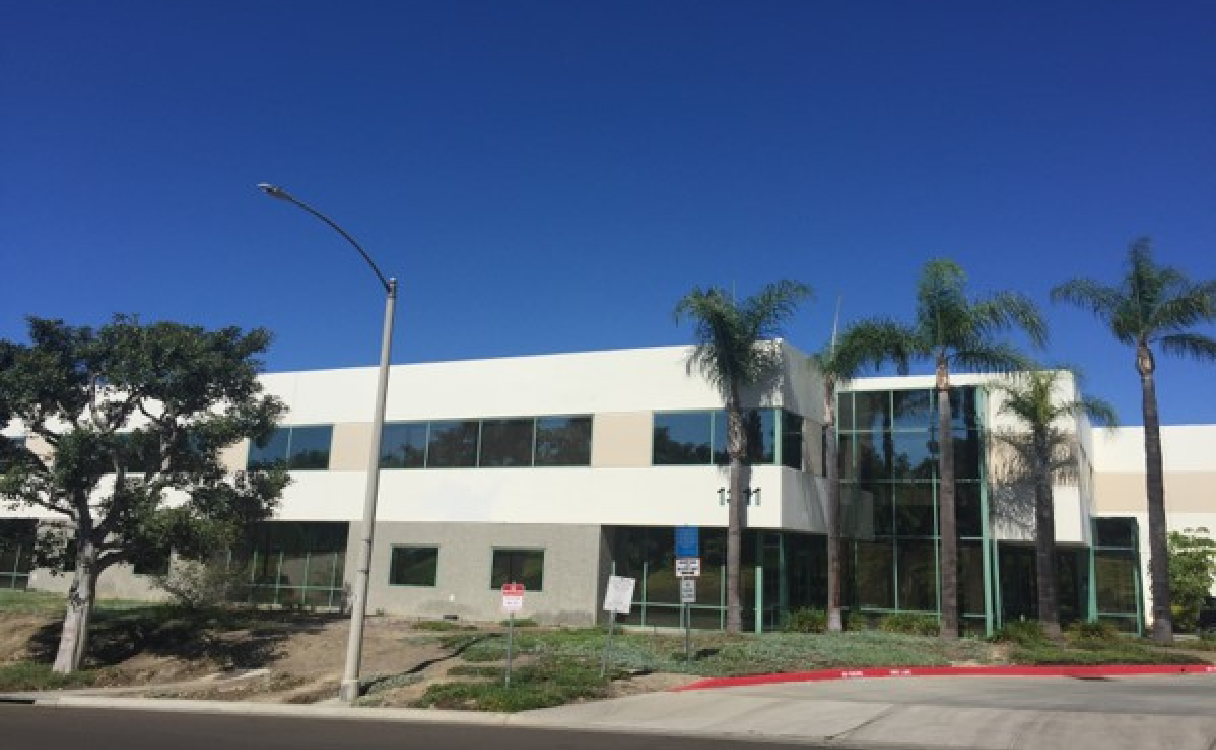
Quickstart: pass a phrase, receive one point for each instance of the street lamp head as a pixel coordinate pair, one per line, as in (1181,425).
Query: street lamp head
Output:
(274,191)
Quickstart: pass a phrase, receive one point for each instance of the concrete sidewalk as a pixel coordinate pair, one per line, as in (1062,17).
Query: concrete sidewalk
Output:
(1176,712)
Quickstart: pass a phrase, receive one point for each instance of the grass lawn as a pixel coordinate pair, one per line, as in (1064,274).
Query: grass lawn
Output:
(554,666)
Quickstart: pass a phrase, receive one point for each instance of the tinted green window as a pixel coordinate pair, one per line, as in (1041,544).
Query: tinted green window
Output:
(917,575)
(1115,532)
(913,456)
(875,575)
(791,440)
(563,441)
(683,438)
(873,410)
(966,454)
(403,446)
(294,447)
(413,566)
(911,410)
(506,442)
(526,566)
(872,465)
(968,511)
(263,454)
(452,444)
(844,411)
(309,447)
(915,513)
(1115,576)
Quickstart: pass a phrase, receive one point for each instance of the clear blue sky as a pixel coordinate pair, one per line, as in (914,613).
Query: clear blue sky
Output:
(553,176)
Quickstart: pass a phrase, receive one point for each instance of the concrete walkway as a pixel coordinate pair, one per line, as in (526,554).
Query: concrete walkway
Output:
(1175,711)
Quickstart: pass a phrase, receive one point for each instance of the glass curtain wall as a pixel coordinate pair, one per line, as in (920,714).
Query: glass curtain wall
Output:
(293,564)
(1115,571)
(889,484)
(791,574)
(17,539)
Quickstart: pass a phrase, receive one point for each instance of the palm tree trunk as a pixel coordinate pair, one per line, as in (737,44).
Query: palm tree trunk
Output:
(1045,541)
(945,508)
(736,444)
(832,473)
(1159,567)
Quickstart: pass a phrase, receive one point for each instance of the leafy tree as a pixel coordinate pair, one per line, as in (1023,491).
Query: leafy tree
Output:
(862,344)
(952,331)
(735,351)
(1152,308)
(1042,449)
(126,424)
(1192,574)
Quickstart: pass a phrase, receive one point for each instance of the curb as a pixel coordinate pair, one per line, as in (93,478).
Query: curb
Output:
(238,708)
(829,675)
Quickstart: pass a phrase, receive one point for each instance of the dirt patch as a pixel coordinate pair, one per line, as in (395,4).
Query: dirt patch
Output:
(281,662)
(17,635)
(652,682)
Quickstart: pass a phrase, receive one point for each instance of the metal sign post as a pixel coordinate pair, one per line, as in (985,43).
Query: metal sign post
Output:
(512,602)
(688,595)
(510,648)
(688,568)
(617,598)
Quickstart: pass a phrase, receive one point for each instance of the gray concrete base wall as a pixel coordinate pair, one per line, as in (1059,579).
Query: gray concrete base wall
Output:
(118,582)
(571,583)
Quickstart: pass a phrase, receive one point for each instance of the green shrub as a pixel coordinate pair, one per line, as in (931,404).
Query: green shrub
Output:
(1021,632)
(805,620)
(197,586)
(1093,631)
(520,622)
(909,623)
(549,682)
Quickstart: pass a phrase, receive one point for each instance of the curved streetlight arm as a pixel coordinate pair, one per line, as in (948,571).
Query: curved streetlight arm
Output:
(274,191)
(349,688)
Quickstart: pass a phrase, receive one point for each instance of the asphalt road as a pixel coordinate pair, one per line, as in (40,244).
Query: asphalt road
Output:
(46,728)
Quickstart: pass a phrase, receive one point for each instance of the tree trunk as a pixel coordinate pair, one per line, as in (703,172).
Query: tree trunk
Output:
(736,446)
(1159,559)
(832,474)
(1045,540)
(81,596)
(945,508)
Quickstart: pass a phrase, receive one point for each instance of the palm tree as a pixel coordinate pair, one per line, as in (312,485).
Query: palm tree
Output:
(1042,449)
(952,330)
(734,351)
(1153,307)
(861,344)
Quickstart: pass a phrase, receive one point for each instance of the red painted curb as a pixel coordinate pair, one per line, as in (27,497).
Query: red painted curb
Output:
(828,675)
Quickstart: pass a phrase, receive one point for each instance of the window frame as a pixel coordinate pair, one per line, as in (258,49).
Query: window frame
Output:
(433,548)
(494,551)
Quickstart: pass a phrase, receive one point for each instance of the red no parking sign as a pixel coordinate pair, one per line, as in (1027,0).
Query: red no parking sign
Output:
(512,597)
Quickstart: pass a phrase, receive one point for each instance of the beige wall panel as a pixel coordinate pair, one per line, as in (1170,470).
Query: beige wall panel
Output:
(622,440)
(1185,492)
(236,456)
(1190,492)
(350,446)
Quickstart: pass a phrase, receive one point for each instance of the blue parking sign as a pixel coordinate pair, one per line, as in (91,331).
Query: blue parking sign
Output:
(687,541)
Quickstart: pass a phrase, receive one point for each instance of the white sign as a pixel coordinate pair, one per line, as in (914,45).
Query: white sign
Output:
(687,567)
(688,590)
(512,597)
(619,596)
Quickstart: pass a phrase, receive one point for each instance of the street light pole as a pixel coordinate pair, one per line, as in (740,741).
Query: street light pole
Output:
(349,690)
